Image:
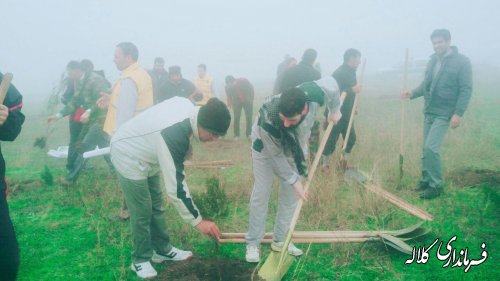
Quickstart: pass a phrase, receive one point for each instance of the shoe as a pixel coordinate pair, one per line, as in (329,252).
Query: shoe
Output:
(174,255)
(252,254)
(292,250)
(431,192)
(144,270)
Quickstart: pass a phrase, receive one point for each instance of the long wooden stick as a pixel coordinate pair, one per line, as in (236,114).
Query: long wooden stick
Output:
(205,163)
(305,240)
(310,176)
(321,234)
(4,86)
(402,118)
(399,202)
(353,110)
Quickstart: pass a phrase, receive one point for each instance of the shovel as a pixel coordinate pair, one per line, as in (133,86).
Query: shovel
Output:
(277,263)
(351,119)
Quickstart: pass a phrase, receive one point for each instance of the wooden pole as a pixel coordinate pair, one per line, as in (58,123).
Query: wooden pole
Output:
(353,110)
(4,86)
(402,117)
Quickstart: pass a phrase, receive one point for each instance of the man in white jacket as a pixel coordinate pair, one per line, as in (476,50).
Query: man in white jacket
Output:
(158,140)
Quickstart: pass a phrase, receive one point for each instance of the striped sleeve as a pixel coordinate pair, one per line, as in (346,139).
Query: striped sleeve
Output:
(172,149)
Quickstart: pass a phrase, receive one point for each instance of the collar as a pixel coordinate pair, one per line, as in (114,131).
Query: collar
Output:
(130,69)
(194,122)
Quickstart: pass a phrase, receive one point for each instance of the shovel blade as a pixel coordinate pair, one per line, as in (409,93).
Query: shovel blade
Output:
(353,175)
(271,269)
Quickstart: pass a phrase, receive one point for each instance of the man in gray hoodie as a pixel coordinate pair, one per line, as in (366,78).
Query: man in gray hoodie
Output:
(447,88)
(280,137)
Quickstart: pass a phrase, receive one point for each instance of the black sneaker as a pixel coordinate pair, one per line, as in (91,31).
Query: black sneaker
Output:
(431,192)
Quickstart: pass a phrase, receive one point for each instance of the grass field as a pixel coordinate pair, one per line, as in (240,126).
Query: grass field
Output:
(72,233)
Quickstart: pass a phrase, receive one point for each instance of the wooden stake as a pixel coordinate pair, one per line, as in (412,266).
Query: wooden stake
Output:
(4,86)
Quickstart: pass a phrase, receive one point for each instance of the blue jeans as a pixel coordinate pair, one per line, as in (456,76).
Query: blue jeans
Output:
(435,128)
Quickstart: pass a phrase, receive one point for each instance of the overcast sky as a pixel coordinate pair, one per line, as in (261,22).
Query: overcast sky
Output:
(242,38)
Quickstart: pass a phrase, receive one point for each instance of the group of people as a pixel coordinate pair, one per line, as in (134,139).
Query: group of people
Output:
(149,122)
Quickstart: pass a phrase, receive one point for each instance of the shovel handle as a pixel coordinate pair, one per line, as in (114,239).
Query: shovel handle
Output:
(4,86)
(353,110)
(310,176)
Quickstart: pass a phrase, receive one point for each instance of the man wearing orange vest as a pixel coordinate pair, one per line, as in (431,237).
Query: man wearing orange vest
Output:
(131,94)
(204,84)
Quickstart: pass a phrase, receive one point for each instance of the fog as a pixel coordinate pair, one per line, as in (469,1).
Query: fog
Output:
(245,39)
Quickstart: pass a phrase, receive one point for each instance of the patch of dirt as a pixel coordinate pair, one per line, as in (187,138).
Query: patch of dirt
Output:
(25,185)
(474,178)
(215,269)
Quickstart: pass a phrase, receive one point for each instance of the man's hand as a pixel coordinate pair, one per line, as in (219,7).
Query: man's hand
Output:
(455,121)
(405,94)
(357,88)
(4,113)
(52,119)
(209,228)
(334,117)
(84,118)
(103,101)
(299,190)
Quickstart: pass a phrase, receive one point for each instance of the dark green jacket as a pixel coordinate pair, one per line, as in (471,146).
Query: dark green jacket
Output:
(450,90)
(88,91)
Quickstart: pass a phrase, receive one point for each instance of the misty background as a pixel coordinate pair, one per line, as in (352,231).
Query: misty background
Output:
(242,38)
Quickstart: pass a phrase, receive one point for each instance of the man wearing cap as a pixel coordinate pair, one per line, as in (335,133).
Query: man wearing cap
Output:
(279,147)
(157,141)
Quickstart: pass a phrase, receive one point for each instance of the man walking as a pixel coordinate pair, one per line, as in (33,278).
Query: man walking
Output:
(447,88)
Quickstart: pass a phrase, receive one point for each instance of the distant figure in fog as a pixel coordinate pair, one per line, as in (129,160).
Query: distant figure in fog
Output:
(287,63)
(177,86)
(159,76)
(240,94)
(204,83)
(302,72)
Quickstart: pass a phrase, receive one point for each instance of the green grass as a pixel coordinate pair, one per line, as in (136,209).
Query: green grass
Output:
(72,233)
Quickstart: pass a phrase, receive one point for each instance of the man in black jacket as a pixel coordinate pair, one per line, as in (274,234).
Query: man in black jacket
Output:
(345,76)
(300,73)
(11,120)
(447,88)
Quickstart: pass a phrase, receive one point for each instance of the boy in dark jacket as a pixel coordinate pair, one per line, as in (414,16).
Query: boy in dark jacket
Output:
(11,120)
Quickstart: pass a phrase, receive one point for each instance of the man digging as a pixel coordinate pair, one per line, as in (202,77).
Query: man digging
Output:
(158,140)
(279,147)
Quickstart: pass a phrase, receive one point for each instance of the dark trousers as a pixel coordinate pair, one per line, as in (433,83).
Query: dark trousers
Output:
(75,128)
(9,249)
(340,128)
(94,136)
(248,108)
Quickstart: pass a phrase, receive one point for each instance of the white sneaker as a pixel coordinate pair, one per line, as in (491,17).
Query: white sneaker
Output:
(144,270)
(252,254)
(292,250)
(174,255)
